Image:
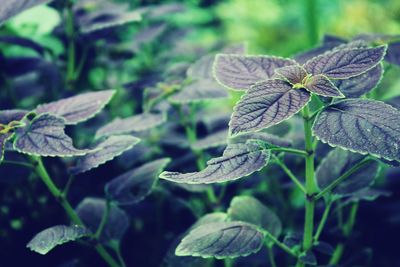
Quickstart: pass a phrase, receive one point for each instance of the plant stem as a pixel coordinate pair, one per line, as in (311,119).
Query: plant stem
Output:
(43,174)
(290,174)
(272,238)
(228,262)
(290,150)
(70,32)
(352,170)
(103,221)
(312,22)
(324,218)
(22,164)
(271,257)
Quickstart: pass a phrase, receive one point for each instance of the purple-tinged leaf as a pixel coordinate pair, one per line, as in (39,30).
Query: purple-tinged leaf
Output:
(361,125)
(321,85)
(238,72)
(157,11)
(332,39)
(107,150)
(10,8)
(359,85)
(4,137)
(267,138)
(137,123)
(148,35)
(303,57)
(135,185)
(46,240)
(45,136)
(345,63)
(78,108)
(367,194)
(212,140)
(210,218)
(251,210)
(199,91)
(221,240)
(7,116)
(339,161)
(91,211)
(237,161)
(295,74)
(393,53)
(265,104)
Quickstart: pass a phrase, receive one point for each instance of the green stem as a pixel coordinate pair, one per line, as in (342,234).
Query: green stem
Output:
(271,257)
(228,262)
(43,174)
(23,164)
(290,150)
(270,237)
(324,218)
(290,174)
(312,22)
(352,170)
(337,254)
(70,32)
(103,221)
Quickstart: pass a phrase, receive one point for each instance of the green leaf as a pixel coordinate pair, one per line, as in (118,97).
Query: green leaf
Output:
(51,237)
(107,150)
(249,209)
(45,136)
(10,8)
(237,161)
(221,240)
(3,140)
(78,108)
(239,72)
(361,125)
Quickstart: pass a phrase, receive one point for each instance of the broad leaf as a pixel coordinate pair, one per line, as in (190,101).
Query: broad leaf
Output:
(221,240)
(78,108)
(345,63)
(137,123)
(91,211)
(321,85)
(237,161)
(336,163)
(213,140)
(361,125)
(51,237)
(45,136)
(295,74)
(107,150)
(210,218)
(199,91)
(359,85)
(263,137)
(250,210)
(267,103)
(133,186)
(367,194)
(239,72)
(7,116)
(10,8)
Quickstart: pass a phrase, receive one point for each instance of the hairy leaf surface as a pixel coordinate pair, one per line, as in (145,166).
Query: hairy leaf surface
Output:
(345,63)
(267,138)
(10,8)
(133,186)
(267,103)
(321,85)
(51,237)
(239,72)
(361,125)
(221,240)
(45,136)
(293,73)
(78,108)
(107,150)
(237,161)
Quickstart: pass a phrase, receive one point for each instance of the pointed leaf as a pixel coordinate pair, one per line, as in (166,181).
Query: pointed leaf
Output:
(221,240)
(267,103)
(265,138)
(239,72)
(293,74)
(111,21)
(78,108)
(133,186)
(321,85)
(249,209)
(107,150)
(336,163)
(345,63)
(45,136)
(51,237)
(91,211)
(137,123)
(237,161)
(361,125)
(367,194)
(10,8)
(199,91)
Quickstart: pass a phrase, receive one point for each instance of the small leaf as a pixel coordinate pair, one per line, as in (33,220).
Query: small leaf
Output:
(199,91)
(111,21)
(237,161)
(345,63)
(91,211)
(133,186)
(267,103)
(324,248)
(137,123)
(321,85)
(239,72)
(10,8)
(221,240)
(367,194)
(336,163)
(107,150)
(308,258)
(51,237)
(45,136)
(78,108)
(361,125)
(3,140)
(250,210)
(293,74)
